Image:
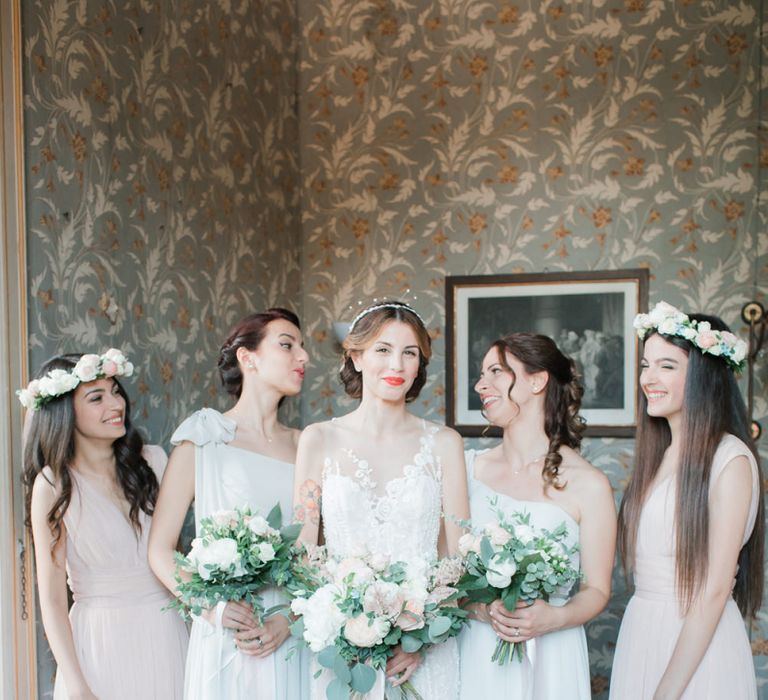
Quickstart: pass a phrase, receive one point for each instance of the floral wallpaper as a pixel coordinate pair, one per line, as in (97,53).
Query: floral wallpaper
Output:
(190,161)
(444,137)
(162,199)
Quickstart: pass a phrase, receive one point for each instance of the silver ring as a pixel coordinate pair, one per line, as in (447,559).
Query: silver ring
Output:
(517,631)
(259,642)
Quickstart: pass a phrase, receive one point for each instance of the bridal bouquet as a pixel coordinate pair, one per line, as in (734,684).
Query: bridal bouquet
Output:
(511,560)
(363,607)
(236,553)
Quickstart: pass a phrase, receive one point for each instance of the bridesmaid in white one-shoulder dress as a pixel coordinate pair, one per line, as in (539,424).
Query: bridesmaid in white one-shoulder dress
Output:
(529,389)
(384,481)
(241,458)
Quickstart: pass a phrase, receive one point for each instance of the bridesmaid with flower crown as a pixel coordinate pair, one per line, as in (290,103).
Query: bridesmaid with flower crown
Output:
(91,486)
(691,526)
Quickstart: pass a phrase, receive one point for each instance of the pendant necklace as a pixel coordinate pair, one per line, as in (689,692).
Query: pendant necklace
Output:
(515,472)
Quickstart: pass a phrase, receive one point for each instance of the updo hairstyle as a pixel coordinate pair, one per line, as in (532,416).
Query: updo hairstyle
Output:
(247,333)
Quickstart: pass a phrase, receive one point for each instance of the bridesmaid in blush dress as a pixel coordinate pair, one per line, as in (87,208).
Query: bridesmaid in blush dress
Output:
(243,457)
(91,489)
(530,390)
(691,524)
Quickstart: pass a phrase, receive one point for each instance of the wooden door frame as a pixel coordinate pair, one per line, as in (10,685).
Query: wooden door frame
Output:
(18,654)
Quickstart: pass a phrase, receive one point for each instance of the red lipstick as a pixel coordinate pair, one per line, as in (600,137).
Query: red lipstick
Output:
(394,381)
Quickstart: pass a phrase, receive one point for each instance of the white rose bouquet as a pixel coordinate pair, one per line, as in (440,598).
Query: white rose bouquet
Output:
(236,553)
(363,607)
(511,560)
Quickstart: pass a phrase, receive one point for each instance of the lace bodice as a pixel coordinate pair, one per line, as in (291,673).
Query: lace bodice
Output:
(399,518)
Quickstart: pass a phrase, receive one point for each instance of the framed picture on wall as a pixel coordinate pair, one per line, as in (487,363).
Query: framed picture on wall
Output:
(588,314)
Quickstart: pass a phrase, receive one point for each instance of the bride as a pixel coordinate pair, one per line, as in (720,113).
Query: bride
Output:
(382,480)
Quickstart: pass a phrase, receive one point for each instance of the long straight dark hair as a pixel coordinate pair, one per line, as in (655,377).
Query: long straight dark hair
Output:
(712,407)
(51,443)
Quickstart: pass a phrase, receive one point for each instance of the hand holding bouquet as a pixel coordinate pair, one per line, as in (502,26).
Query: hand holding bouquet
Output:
(510,560)
(363,607)
(236,553)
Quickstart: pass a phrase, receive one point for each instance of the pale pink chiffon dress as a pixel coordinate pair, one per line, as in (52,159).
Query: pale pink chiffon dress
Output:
(652,621)
(128,647)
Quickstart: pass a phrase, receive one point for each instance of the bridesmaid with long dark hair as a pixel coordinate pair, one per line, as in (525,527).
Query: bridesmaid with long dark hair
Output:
(91,487)
(691,525)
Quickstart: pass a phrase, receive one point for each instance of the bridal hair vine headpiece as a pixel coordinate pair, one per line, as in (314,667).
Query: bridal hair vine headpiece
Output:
(58,382)
(384,305)
(668,320)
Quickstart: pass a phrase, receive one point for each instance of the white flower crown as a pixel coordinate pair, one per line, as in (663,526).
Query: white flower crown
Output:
(668,320)
(58,382)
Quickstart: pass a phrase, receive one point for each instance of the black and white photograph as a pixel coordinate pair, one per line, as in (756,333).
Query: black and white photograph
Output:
(588,315)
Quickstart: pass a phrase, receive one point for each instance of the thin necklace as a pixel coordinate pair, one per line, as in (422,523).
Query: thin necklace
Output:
(515,472)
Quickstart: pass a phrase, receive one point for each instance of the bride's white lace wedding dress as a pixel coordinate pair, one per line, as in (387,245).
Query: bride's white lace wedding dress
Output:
(400,519)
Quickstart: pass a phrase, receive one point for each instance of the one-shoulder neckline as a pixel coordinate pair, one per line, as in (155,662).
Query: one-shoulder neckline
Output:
(524,501)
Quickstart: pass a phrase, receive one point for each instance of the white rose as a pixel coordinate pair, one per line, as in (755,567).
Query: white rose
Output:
(469,543)
(689,333)
(128,369)
(500,572)
(378,562)
(361,572)
(266,552)
(322,618)
(26,397)
(383,598)
(220,554)
(497,534)
(87,367)
(524,533)
(258,525)
(739,351)
(668,326)
(703,326)
(224,518)
(363,632)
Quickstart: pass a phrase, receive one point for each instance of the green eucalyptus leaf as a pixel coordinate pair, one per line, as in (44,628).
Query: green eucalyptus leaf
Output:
(409,643)
(337,690)
(275,517)
(363,678)
(439,626)
(327,657)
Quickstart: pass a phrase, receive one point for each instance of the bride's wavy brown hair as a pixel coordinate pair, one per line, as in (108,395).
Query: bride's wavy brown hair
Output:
(51,443)
(562,401)
(712,407)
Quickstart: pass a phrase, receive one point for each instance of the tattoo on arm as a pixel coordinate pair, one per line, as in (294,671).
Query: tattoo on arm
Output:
(308,507)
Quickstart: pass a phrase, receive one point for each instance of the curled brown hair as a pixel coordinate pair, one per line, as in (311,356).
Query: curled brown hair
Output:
(51,443)
(247,333)
(365,332)
(562,401)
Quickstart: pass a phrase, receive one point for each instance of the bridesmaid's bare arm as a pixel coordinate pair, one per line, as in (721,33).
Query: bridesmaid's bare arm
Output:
(307,492)
(177,490)
(450,449)
(52,586)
